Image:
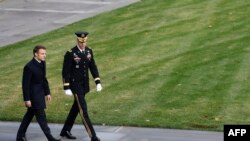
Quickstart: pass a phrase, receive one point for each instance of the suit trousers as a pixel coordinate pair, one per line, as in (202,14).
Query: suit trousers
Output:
(41,119)
(79,106)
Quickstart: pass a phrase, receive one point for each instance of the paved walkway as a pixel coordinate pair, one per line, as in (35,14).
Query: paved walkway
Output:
(111,133)
(22,19)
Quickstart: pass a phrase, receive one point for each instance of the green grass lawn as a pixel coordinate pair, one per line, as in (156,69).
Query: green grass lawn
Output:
(164,63)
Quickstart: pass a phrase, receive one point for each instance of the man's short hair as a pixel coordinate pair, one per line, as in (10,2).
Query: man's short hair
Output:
(37,48)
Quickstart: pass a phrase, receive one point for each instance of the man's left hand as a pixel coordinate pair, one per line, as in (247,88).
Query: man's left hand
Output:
(49,97)
(98,87)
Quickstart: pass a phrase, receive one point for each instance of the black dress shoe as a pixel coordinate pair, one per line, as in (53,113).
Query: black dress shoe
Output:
(68,135)
(95,139)
(54,139)
(21,139)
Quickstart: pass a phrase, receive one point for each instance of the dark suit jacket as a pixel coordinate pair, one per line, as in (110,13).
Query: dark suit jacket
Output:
(35,85)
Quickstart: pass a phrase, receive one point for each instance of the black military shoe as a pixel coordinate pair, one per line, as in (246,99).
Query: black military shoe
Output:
(68,135)
(21,139)
(54,139)
(95,139)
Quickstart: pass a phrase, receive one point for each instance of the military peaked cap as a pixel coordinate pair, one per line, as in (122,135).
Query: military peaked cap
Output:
(81,34)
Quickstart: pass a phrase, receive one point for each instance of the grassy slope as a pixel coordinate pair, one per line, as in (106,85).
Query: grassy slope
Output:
(170,64)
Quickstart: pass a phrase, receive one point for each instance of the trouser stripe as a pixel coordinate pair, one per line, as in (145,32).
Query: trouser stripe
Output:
(82,116)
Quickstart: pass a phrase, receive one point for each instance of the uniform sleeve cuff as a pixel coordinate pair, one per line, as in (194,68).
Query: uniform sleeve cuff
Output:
(97,80)
(66,86)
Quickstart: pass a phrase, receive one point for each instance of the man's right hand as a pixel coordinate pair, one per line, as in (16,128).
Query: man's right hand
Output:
(28,104)
(68,92)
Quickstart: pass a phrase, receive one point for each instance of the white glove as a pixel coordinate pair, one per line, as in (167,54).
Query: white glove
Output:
(98,87)
(68,92)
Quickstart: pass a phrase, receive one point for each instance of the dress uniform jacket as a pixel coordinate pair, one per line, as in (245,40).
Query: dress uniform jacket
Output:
(35,84)
(75,70)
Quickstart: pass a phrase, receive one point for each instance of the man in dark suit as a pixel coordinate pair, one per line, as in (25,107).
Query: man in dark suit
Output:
(35,89)
(77,62)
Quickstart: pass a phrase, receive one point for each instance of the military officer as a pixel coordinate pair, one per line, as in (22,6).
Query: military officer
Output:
(77,63)
(35,89)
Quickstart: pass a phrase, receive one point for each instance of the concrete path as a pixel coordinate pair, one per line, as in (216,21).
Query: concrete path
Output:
(22,19)
(110,133)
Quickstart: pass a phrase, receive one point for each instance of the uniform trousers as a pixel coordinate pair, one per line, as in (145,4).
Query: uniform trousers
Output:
(41,119)
(79,106)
